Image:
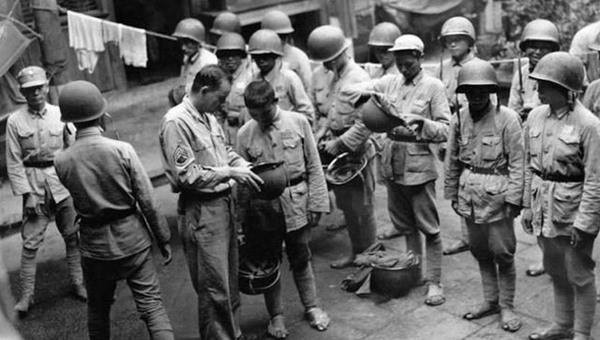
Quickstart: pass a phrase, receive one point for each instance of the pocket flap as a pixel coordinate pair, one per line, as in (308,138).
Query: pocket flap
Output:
(490,140)
(570,138)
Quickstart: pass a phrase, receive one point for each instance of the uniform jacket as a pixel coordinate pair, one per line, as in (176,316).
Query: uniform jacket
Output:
(526,100)
(289,139)
(106,178)
(235,107)
(35,137)
(411,162)
(193,151)
(296,60)
(493,142)
(449,76)
(288,90)
(191,66)
(563,143)
(591,100)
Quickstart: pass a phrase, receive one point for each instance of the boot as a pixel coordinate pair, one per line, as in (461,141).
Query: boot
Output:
(74,264)
(27,277)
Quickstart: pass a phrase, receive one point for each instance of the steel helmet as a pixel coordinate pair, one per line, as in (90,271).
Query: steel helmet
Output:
(344,168)
(274,178)
(81,101)
(384,34)
(560,68)
(231,42)
(539,30)
(408,42)
(477,72)
(265,41)
(257,277)
(190,28)
(32,76)
(226,22)
(458,26)
(326,43)
(277,21)
(376,118)
(396,280)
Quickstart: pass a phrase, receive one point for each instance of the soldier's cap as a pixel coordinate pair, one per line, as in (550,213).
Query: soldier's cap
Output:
(32,76)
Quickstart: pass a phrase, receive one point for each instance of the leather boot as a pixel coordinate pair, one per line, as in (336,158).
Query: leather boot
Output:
(27,278)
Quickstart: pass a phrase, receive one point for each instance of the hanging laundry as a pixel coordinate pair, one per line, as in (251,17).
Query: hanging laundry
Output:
(133,46)
(85,36)
(111,31)
(13,44)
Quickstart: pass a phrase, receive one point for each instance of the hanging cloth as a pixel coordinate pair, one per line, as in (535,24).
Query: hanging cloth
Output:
(111,31)
(85,36)
(133,46)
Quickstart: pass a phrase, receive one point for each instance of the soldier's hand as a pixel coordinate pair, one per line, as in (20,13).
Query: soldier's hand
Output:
(580,237)
(246,176)
(331,147)
(454,205)
(167,254)
(32,205)
(526,218)
(511,210)
(416,122)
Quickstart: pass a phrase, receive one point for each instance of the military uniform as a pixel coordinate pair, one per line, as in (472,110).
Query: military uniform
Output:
(296,60)
(591,99)
(523,101)
(192,64)
(193,154)
(107,181)
(448,74)
(235,107)
(269,223)
(32,139)
(376,71)
(484,172)
(562,189)
(408,166)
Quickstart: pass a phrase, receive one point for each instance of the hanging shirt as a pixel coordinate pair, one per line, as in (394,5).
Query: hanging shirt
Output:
(85,36)
(133,46)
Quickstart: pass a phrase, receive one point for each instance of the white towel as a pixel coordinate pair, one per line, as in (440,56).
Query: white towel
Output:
(85,36)
(133,46)
(111,31)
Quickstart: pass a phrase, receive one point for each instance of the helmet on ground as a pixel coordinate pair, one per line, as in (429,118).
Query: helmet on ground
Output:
(277,21)
(274,178)
(384,34)
(479,73)
(231,42)
(457,26)
(560,68)
(265,41)
(396,280)
(81,101)
(539,30)
(375,116)
(32,76)
(344,168)
(226,22)
(408,42)
(190,28)
(257,277)
(326,43)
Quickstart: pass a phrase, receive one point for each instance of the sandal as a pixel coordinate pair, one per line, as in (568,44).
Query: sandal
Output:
(389,234)
(435,295)
(276,328)
(317,318)
(510,321)
(555,332)
(485,309)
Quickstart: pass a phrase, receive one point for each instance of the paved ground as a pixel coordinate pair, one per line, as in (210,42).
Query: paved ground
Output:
(58,316)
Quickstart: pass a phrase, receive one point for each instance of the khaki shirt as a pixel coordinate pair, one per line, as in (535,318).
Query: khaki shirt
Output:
(377,71)
(563,144)
(35,137)
(493,142)
(288,90)
(412,161)
(106,178)
(193,151)
(235,107)
(191,66)
(526,99)
(591,99)
(449,76)
(289,139)
(296,60)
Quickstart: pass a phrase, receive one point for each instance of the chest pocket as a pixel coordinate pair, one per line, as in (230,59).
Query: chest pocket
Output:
(567,148)
(491,148)
(55,138)
(293,150)
(419,107)
(26,138)
(535,141)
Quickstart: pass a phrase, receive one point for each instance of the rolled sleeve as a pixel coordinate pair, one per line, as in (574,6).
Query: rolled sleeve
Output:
(318,197)
(452,167)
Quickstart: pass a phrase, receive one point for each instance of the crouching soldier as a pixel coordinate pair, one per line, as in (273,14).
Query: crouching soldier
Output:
(108,183)
(562,192)
(484,174)
(278,135)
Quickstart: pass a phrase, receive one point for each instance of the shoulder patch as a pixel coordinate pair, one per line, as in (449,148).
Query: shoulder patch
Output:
(181,155)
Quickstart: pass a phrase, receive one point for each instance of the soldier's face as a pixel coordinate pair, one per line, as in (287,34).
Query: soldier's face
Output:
(457,45)
(35,95)
(265,62)
(551,94)
(535,50)
(478,98)
(385,58)
(263,114)
(408,63)
(189,46)
(230,60)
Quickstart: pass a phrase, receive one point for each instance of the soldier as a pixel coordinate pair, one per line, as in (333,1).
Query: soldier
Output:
(278,135)
(231,51)
(266,50)
(203,170)
(191,35)
(458,37)
(591,100)
(33,135)
(344,132)
(225,22)
(408,164)
(294,58)
(484,183)
(108,182)
(381,39)
(562,192)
